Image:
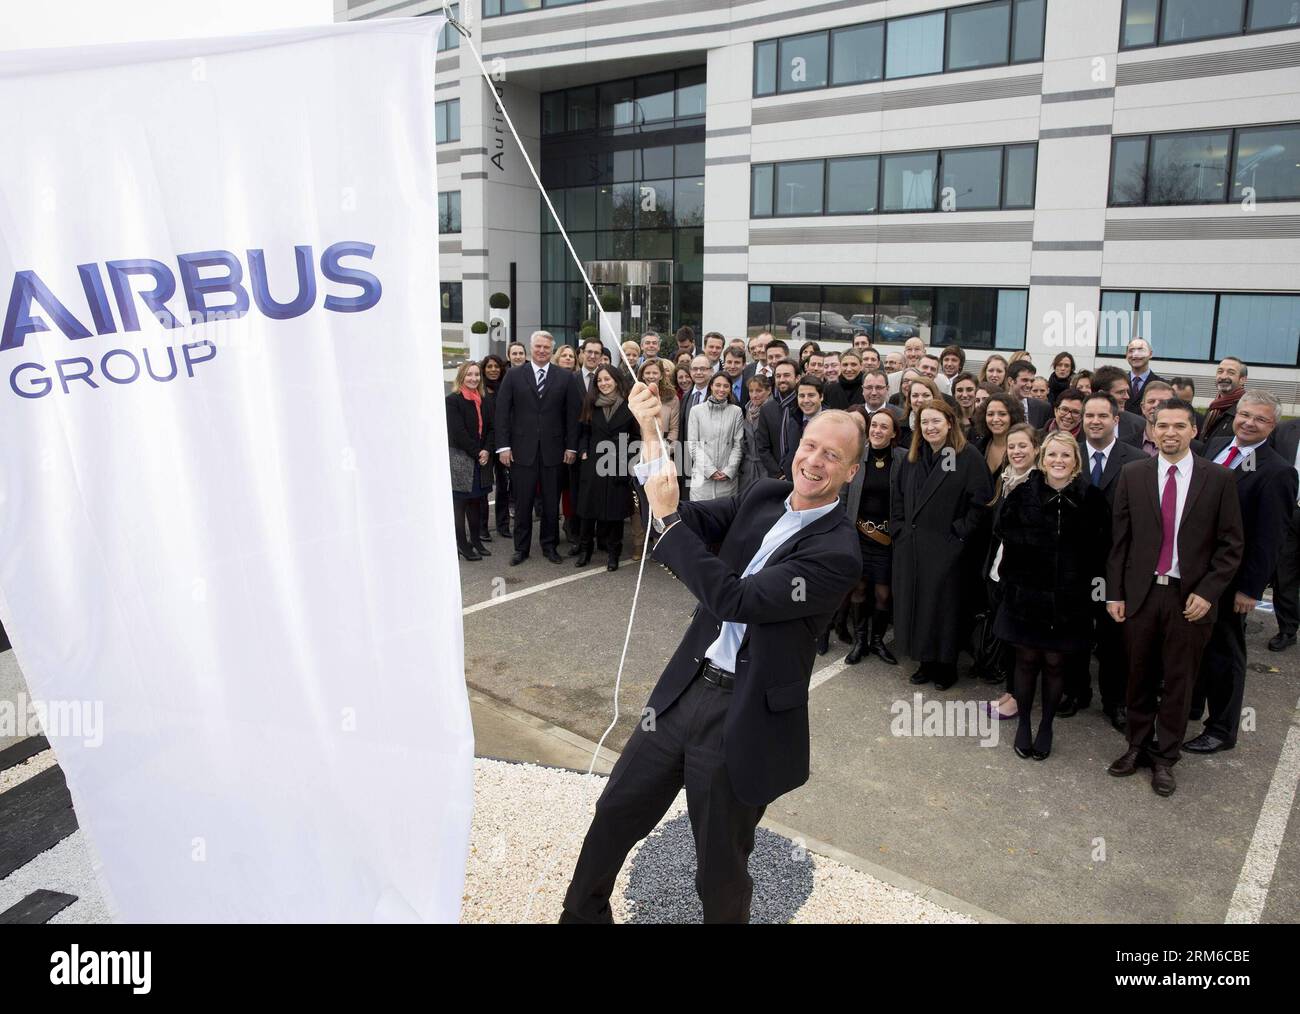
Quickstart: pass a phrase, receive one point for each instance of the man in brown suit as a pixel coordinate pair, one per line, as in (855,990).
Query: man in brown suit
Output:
(1177,542)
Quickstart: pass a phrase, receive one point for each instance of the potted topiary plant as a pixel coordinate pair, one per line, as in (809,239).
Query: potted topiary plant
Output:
(479,327)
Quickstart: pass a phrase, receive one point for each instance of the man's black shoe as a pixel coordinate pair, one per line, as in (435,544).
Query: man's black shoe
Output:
(1281,641)
(1119,718)
(517,559)
(553,556)
(1207,743)
(824,642)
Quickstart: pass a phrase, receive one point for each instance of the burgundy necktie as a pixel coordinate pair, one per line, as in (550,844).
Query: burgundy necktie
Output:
(1168,521)
(1233,451)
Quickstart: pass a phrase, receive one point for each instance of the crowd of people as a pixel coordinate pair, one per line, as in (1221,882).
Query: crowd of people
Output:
(1028,520)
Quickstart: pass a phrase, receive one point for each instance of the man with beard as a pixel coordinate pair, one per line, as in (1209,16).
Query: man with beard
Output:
(774,431)
(1230,383)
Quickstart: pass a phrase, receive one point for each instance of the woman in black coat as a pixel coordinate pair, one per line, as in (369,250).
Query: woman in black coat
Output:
(606,437)
(940,494)
(493,370)
(469,432)
(1054,530)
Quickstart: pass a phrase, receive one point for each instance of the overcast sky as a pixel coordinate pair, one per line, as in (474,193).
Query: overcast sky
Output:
(31,24)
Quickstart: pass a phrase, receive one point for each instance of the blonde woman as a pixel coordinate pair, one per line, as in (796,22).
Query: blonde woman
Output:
(992,662)
(566,358)
(1052,530)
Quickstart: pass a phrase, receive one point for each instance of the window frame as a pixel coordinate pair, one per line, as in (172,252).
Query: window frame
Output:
(1228,198)
(1247,9)
(947,35)
(1215,355)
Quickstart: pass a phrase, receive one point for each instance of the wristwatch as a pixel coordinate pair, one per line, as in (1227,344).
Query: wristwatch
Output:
(663,524)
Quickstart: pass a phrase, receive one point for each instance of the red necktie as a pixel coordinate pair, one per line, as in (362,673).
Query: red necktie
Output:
(1233,453)
(1168,522)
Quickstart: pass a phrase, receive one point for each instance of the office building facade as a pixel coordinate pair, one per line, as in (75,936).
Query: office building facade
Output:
(1040,174)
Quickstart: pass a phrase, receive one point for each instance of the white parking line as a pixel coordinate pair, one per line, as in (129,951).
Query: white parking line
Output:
(1256,875)
(827,672)
(544,586)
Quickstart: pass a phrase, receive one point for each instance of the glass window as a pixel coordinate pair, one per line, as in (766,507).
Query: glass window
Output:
(625,165)
(964,317)
(615,206)
(453,120)
(581,112)
(1178,325)
(760,310)
(803,62)
(1273,14)
(580,209)
(1268,162)
(1200,19)
(1019,176)
(1118,323)
(515,6)
(690,255)
(548,220)
(553,304)
(449,212)
(799,188)
(690,160)
(440,122)
(552,113)
(909,182)
(1027,33)
(978,36)
(788,303)
(452,304)
(902,313)
(654,204)
(972,179)
(690,304)
(584,245)
(615,246)
(688,201)
(760,191)
(1128,171)
(655,98)
(1188,168)
(1012,320)
(690,92)
(616,100)
(1139,23)
(654,244)
(915,46)
(765,68)
(851,185)
(657,163)
(448,37)
(856,304)
(555,257)
(858,54)
(1259,329)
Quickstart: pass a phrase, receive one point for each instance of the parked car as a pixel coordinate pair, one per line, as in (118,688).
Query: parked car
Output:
(882,328)
(824,325)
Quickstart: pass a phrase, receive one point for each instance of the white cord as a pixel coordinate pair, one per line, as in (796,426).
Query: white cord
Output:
(645,549)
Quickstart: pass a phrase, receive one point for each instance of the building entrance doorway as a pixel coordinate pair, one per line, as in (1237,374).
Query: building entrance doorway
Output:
(637,296)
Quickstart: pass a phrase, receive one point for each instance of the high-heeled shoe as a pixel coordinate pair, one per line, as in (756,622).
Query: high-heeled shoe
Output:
(1022,753)
(1040,755)
(469,553)
(481,549)
(584,556)
(877,648)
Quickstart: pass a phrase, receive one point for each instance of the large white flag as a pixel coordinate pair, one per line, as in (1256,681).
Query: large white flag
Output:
(224,505)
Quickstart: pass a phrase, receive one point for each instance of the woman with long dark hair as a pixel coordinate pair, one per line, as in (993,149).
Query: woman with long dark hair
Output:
(867,506)
(606,434)
(1052,528)
(993,421)
(469,433)
(715,444)
(939,496)
(493,370)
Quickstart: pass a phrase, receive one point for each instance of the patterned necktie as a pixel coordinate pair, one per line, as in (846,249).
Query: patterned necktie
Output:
(1233,453)
(541,382)
(1098,463)
(1168,522)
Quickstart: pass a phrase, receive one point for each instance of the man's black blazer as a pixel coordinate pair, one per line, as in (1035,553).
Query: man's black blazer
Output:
(538,430)
(1134,403)
(785,606)
(1132,429)
(1120,455)
(767,435)
(1267,491)
(1285,440)
(1038,413)
(1209,535)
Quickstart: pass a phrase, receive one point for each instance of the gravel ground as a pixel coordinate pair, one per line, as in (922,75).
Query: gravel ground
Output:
(32,766)
(528,828)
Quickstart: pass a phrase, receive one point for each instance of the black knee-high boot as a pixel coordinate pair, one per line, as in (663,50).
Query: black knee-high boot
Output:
(840,621)
(460,512)
(879,625)
(861,628)
(473,515)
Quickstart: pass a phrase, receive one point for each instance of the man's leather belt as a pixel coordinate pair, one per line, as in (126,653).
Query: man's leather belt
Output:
(1166,579)
(718,677)
(877,531)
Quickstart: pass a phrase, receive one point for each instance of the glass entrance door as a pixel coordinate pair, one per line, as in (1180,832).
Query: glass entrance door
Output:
(636,294)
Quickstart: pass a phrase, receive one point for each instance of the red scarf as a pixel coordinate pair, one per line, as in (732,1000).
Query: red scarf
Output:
(477,399)
(1217,406)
